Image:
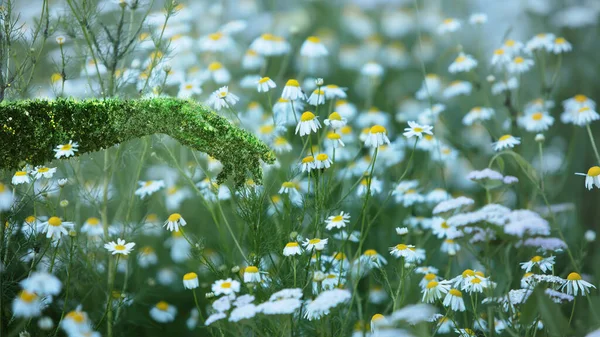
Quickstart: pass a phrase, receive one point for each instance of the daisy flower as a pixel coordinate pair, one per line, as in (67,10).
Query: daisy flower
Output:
(335,121)
(450,247)
(536,122)
(292,248)
(265,84)
(66,150)
(512,46)
(373,258)
(336,139)
(576,284)
(149,187)
(519,65)
(378,136)
(500,57)
(560,45)
(454,300)
(402,250)
(317,97)
(55,227)
(42,284)
(221,98)
(313,47)
(174,221)
(505,142)
(584,116)
(463,63)
(337,221)
(225,287)
(478,114)
(333,91)
(308,123)
(251,275)
(44,172)
(478,18)
(434,290)
(216,42)
(292,91)
(322,161)
(544,264)
(372,70)
(578,101)
(20,177)
(449,25)
(188,89)
(592,177)
(120,247)
(540,41)
(308,164)
(218,73)
(190,281)
(163,312)
(457,88)
(26,305)
(317,244)
(417,130)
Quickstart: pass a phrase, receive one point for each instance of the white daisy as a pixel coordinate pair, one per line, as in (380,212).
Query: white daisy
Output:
(536,122)
(221,98)
(20,177)
(43,172)
(519,65)
(120,247)
(147,188)
(337,221)
(592,177)
(417,130)
(454,300)
(163,312)
(317,97)
(265,84)
(313,47)
(335,120)
(308,123)
(174,222)
(505,142)
(378,136)
(292,248)
(317,244)
(66,150)
(575,284)
(55,227)
(292,91)
(225,287)
(463,63)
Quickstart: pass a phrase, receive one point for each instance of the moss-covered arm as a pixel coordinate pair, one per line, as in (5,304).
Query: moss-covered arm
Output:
(31,129)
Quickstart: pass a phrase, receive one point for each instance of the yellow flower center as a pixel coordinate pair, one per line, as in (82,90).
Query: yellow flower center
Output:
(339,256)
(377,129)
(30,219)
(401,246)
(215,36)
(594,171)
(292,244)
(147,250)
(370,252)
(475,280)
(215,66)
(432,284)
(519,60)
(152,217)
(190,276)
(509,43)
(505,137)
(77,316)
(499,52)
(537,116)
(292,83)
(460,59)
(314,241)
(346,130)
(93,221)
(337,218)
(444,225)
(148,183)
(430,276)
(162,305)
(43,169)
(307,116)
(20,173)
(226,285)
(313,39)
(189,86)
(119,247)
(527,275)
(322,157)
(55,77)
(251,269)
(174,217)
(468,272)
(580,98)
(480,274)
(66,147)
(428,137)
(536,258)
(266,129)
(26,296)
(418,129)
(335,116)
(54,221)
(584,109)
(377,317)
(264,80)
(560,40)
(574,277)
(448,21)
(333,136)
(455,292)
(308,159)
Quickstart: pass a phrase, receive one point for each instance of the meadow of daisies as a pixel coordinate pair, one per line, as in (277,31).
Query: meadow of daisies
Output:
(435,169)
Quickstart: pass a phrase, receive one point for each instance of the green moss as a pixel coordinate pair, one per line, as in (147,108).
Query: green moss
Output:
(31,129)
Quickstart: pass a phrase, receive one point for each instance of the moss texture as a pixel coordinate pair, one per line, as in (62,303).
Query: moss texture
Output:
(31,129)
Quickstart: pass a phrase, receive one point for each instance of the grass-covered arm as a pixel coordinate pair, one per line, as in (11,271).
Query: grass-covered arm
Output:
(31,129)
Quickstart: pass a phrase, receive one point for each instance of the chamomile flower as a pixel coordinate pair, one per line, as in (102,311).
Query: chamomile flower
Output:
(335,139)
(536,122)
(291,249)
(120,247)
(313,47)
(450,247)
(454,300)
(463,63)
(147,188)
(251,275)
(337,221)
(505,142)
(174,222)
(335,121)
(221,98)
(575,285)
(560,45)
(308,164)
(20,177)
(584,116)
(317,97)
(513,47)
(577,102)
(26,305)
(43,172)
(457,88)
(500,57)
(163,312)
(478,18)
(316,243)
(216,42)
(225,287)
(42,284)
(545,264)
(292,91)
(190,281)
(405,251)
(435,290)
(477,114)
(372,70)
(373,259)
(270,45)
(322,161)
(308,123)
(147,257)
(378,136)
(66,150)
(592,177)
(265,84)
(333,91)
(540,41)
(55,227)
(449,25)
(519,65)
(218,73)
(416,130)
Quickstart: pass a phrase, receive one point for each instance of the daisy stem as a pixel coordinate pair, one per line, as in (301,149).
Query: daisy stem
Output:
(53,256)
(593,141)
(231,232)
(68,285)
(197,305)
(541,148)
(573,310)
(294,266)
